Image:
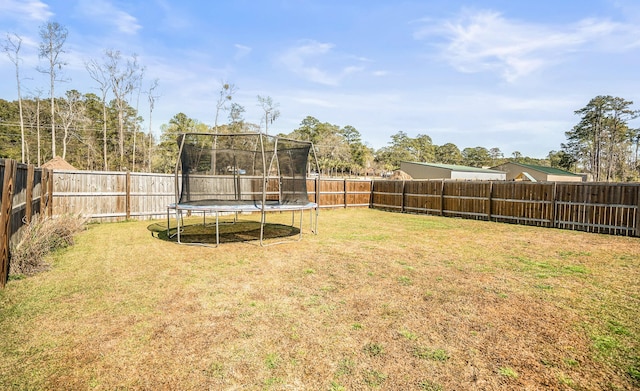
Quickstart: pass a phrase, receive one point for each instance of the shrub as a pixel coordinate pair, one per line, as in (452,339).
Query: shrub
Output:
(38,239)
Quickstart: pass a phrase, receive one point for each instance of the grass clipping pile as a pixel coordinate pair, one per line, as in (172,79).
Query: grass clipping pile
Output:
(39,238)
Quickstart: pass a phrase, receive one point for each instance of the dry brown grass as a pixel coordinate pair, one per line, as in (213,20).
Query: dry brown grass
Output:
(38,239)
(375,301)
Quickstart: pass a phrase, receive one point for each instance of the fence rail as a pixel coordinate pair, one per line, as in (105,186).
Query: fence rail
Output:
(609,208)
(25,193)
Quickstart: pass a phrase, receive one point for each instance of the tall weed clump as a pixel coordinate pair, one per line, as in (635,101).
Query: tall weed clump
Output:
(38,239)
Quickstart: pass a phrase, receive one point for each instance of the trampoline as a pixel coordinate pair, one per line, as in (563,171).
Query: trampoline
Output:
(231,174)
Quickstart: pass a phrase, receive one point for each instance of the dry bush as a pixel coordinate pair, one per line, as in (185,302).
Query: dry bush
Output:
(39,238)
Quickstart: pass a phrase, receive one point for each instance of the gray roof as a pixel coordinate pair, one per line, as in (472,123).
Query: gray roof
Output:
(455,167)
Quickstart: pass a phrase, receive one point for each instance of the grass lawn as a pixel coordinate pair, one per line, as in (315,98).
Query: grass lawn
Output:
(376,300)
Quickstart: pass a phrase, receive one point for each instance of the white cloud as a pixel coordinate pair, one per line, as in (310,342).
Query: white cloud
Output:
(241,51)
(486,41)
(309,59)
(30,9)
(106,12)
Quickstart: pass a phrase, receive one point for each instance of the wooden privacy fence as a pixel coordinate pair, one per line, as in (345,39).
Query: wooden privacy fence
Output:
(609,208)
(26,192)
(346,193)
(114,196)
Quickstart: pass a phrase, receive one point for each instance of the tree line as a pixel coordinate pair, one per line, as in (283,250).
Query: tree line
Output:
(89,133)
(104,131)
(602,143)
(93,131)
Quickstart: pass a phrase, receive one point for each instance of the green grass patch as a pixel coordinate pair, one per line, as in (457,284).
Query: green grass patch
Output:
(508,372)
(346,366)
(408,335)
(549,268)
(427,353)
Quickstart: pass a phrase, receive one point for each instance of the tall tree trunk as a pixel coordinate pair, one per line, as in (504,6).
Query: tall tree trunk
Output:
(53,122)
(133,164)
(21,115)
(12,48)
(104,134)
(121,138)
(38,129)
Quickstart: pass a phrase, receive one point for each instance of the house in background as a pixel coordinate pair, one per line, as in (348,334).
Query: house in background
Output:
(450,171)
(533,173)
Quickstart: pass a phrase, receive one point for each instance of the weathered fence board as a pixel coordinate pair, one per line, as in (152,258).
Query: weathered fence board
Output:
(522,203)
(610,208)
(332,193)
(597,207)
(23,196)
(388,195)
(357,193)
(6,205)
(112,196)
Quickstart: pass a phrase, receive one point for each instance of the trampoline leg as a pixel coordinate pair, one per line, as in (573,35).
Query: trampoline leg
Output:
(168,222)
(178,218)
(301,214)
(313,224)
(217,229)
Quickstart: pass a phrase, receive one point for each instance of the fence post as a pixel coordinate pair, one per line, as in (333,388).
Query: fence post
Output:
(344,183)
(442,198)
(638,211)
(5,218)
(44,191)
(128,195)
(554,196)
(402,199)
(50,193)
(490,196)
(29,200)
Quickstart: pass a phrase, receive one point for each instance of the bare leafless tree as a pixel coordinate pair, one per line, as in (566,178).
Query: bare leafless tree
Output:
(98,73)
(123,79)
(152,103)
(37,97)
(271,112)
(138,88)
(11,47)
(71,112)
(53,37)
(225,95)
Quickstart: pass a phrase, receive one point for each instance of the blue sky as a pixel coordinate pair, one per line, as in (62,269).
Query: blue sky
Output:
(490,73)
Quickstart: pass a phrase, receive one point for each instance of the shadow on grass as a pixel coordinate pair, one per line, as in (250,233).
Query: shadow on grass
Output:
(240,231)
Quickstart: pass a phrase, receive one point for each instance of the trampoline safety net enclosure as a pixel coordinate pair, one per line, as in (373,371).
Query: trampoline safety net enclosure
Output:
(242,172)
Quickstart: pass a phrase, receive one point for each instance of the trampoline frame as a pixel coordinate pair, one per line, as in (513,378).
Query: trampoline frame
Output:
(263,206)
